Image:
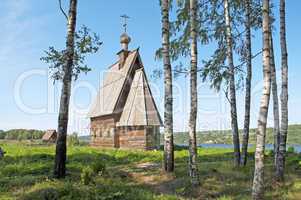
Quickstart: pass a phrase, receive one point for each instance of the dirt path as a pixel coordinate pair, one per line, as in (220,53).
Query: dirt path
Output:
(150,174)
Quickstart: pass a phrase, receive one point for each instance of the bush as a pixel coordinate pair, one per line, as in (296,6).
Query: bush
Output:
(291,149)
(99,167)
(269,153)
(73,140)
(45,193)
(86,175)
(2,135)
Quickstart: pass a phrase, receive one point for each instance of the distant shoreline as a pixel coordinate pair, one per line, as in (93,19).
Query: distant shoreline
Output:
(203,137)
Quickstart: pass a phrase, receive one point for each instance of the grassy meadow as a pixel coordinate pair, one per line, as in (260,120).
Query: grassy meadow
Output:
(26,173)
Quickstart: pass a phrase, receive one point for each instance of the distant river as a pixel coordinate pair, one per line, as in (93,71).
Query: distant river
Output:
(297,147)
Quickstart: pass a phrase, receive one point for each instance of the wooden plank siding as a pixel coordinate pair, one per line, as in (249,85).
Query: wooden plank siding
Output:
(105,134)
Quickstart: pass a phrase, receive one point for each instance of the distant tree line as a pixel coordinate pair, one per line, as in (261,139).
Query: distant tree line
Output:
(21,134)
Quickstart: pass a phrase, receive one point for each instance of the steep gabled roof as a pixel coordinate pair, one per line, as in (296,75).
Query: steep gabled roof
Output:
(49,134)
(140,108)
(113,83)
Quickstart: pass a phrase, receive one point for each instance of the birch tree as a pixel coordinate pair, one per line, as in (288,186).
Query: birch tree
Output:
(245,141)
(168,98)
(280,165)
(65,65)
(232,90)
(61,151)
(186,31)
(193,172)
(258,181)
(276,129)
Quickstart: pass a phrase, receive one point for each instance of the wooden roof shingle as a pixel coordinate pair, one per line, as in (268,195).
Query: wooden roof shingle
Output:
(49,134)
(114,79)
(140,108)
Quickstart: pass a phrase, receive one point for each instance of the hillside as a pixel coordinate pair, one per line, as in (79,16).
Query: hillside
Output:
(225,136)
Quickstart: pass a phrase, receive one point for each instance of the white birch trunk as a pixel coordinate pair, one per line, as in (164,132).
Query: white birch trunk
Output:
(168,99)
(61,149)
(284,96)
(258,181)
(193,172)
(232,89)
(246,130)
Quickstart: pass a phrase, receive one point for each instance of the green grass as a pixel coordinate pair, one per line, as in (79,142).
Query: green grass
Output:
(225,136)
(26,173)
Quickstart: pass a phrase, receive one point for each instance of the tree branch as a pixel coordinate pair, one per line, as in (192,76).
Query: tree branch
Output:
(181,71)
(226,95)
(62,10)
(254,56)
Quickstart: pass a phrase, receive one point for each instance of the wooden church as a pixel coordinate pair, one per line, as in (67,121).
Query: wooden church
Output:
(124,113)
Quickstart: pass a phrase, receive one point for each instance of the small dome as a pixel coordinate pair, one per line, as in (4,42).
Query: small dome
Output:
(124,38)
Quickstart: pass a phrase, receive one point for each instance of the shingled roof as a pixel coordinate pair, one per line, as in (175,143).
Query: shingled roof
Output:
(50,135)
(113,83)
(140,108)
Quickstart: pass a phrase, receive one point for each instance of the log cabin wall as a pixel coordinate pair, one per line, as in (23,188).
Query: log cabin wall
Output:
(103,131)
(139,137)
(152,137)
(132,137)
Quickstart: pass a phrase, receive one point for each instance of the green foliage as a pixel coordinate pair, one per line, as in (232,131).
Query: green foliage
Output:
(294,160)
(99,167)
(269,153)
(44,193)
(73,140)
(291,149)
(21,134)
(180,30)
(215,70)
(86,175)
(85,43)
(225,136)
(211,29)
(2,134)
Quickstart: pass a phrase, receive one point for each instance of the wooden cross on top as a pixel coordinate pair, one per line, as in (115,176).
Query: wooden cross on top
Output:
(125,17)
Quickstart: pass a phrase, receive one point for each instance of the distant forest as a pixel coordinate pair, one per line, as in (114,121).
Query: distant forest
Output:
(21,134)
(225,136)
(214,137)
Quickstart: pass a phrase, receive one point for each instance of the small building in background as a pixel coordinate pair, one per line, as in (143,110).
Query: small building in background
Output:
(49,136)
(124,113)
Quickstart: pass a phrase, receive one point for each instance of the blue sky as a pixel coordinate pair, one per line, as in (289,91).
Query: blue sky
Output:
(30,100)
